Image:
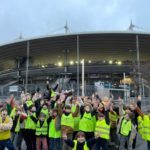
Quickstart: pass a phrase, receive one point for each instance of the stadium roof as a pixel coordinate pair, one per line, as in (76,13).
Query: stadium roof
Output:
(94,46)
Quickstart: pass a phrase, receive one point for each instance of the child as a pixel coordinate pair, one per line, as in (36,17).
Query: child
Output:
(5,127)
(44,109)
(145,118)
(125,127)
(67,120)
(102,130)
(54,133)
(41,131)
(30,127)
(80,142)
(87,121)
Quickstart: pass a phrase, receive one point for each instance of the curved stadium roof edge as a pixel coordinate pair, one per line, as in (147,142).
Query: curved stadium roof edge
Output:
(75,33)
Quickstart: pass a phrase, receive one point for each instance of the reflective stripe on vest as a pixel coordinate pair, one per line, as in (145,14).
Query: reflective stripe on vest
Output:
(17,129)
(53,93)
(140,122)
(113,119)
(45,111)
(53,133)
(29,103)
(29,123)
(76,119)
(75,146)
(13,113)
(125,127)
(67,120)
(102,129)
(146,128)
(87,123)
(43,129)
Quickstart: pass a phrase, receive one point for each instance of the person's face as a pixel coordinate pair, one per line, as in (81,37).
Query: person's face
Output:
(42,118)
(101,118)
(68,110)
(127,117)
(28,97)
(54,113)
(101,106)
(87,108)
(4,114)
(33,109)
(44,107)
(81,139)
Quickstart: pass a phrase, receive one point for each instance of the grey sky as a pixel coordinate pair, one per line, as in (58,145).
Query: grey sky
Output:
(43,17)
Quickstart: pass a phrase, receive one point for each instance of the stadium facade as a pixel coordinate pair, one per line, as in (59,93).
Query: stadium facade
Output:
(107,55)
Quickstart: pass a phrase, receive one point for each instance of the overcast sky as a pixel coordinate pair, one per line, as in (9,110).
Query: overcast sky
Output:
(35,18)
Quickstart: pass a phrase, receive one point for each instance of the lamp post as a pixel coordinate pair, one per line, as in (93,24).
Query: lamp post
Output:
(83,86)
(78,62)
(125,98)
(27,66)
(138,64)
(66,51)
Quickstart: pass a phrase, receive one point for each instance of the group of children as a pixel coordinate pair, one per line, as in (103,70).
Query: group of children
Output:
(69,122)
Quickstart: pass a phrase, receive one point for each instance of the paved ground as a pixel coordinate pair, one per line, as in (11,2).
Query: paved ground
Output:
(141,145)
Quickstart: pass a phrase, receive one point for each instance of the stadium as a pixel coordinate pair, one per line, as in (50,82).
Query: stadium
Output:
(107,56)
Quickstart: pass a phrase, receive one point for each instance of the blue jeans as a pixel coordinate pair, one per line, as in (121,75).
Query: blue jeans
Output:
(7,143)
(148,145)
(101,143)
(55,144)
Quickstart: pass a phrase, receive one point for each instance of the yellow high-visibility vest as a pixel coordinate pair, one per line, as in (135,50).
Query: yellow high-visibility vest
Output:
(67,120)
(146,128)
(4,135)
(29,103)
(29,123)
(76,119)
(75,146)
(53,94)
(53,133)
(126,127)
(113,117)
(13,113)
(102,129)
(17,129)
(86,123)
(43,130)
(140,122)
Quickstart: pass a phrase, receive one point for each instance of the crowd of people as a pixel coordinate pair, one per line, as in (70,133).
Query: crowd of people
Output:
(63,121)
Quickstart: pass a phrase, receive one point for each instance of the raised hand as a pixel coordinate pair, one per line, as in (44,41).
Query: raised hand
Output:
(120,101)
(133,106)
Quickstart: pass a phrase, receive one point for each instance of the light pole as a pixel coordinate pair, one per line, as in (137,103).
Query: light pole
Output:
(66,51)
(83,86)
(27,66)
(78,62)
(138,64)
(124,77)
